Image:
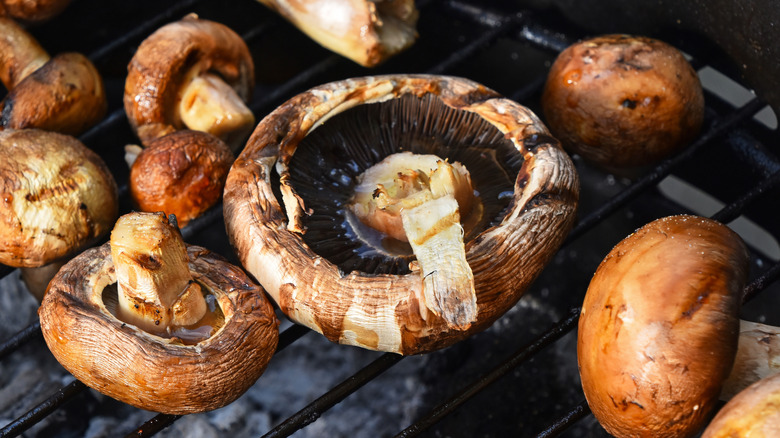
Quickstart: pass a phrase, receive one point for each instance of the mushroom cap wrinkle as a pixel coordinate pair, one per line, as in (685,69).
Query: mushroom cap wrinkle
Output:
(166,59)
(57,197)
(149,372)
(386,311)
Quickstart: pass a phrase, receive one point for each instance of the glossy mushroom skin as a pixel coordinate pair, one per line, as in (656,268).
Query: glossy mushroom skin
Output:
(147,371)
(365,31)
(32,11)
(57,196)
(623,102)
(160,66)
(182,173)
(63,94)
(754,412)
(386,312)
(659,327)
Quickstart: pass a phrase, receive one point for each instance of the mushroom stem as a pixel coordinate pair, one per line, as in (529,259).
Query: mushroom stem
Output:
(37,279)
(758,356)
(422,199)
(155,288)
(20,53)
(210,105)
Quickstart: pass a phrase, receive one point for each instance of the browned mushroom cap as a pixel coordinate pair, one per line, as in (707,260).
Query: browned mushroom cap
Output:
(165,372)
(32,11)
(367,32)
(758,357)
(182,173)
(57,196)
(754,412)
(358,293)
(659,326)
(63,94)
(191,73)
(622,101)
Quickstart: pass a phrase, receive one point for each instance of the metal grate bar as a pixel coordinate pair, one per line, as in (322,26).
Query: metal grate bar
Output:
(579,412)
(37,413)
(20,338)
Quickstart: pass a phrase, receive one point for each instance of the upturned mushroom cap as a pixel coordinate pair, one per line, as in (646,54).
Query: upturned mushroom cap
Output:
(171,57)
(57,197)
(659,327)
(275,237)
(623,102)
(753,413)
(367,32)
(32,11)
(182,173)
(63,94)
(147,371)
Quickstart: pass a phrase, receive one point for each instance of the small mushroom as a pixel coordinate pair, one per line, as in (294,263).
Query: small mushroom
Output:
(182,173)
(659,327)
(192,73)
(330,184)
(156,323)
(63,94)
(32,11)
(753,413)
(57,198)
(365,31)
(623,102)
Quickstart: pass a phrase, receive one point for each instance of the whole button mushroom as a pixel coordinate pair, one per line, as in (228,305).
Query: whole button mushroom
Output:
(32,11)
(367,32)
(415,214)
(194,74)
(752,413)
(182,173)
(623,102)
(63,94)
(156,323)
(57,198)
(659,327)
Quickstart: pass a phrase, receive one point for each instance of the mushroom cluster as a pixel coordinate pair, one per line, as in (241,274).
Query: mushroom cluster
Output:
(156,323)
(659,327)
(365,31)
(63,94)
(623,102)
(58,197)
(399,213)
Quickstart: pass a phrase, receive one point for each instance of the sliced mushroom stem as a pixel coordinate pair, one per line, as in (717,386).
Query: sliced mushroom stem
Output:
(155,288)
(758,356)
(210,105)
(37,279)
(20,53)
(422,199)
(436,236)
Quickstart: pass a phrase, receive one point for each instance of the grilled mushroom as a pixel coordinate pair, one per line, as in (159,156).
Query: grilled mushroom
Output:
(659,327)
(192,73)
(182,173)
(158,324)
(752,413)
(32,11)
(301,234)
(365,31)
(63,94)
(623,102)
(58,197)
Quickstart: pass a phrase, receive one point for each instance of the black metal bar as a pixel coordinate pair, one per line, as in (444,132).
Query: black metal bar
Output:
(26,334)
(39,412)
(731,211)
(579,412)
(553,334)
(314,410)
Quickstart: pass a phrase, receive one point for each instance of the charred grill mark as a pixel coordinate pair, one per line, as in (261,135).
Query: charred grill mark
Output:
(62,189)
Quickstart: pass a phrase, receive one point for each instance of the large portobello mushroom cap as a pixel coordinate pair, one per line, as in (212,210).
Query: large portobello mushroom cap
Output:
(287,195)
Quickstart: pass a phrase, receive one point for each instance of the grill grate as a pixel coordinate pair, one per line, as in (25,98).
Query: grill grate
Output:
(508,50)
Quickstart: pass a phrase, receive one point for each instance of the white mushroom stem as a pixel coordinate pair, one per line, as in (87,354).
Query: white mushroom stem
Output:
(155,288)
(210,105)
(758,356)
(37,279)
(419,199)
(20,53)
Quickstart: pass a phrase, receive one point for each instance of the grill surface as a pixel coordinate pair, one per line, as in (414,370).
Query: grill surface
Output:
(518,378)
